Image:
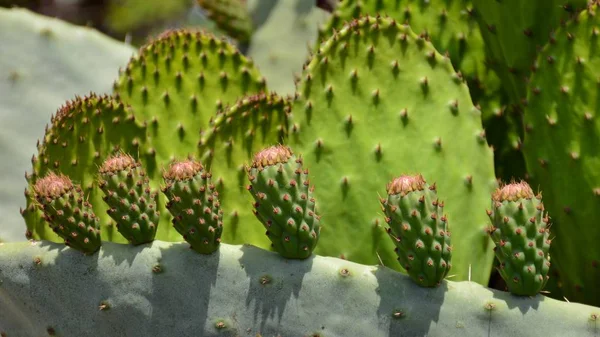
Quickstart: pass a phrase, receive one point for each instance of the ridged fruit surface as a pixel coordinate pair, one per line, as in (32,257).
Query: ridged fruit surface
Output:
(69,215)
(520,230)
(284,202)
(194,204)
(131,202)
(419,229)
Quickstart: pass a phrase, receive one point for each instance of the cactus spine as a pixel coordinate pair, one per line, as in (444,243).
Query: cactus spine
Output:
(284,202)
(67,213)
(419,229)
(194,204)
(132,204)
(520,231)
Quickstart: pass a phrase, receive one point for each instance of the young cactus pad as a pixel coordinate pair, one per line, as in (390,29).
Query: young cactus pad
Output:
(419,229)
(194,204)
(376,99)
(131,202)
(561,147)
(164,289)
(520,231)
(67,213)
(284,202)
(82,134)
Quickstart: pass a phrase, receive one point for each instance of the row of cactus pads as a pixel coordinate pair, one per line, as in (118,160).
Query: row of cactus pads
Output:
(285,205)
(376,107)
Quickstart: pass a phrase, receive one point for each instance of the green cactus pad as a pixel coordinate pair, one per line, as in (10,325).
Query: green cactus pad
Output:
(231,16)
(82,134)
(377,100)
(520,230)
(194,203)
(68,214)
(284,202)
(131,202)
(178,83)
(512,40)
(561,147)
(251,124)
(419,229)
(44,62)
(164,289)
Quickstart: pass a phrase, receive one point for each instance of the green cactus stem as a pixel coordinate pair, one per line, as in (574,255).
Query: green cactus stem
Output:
(67,212)
(194,204)
(164,289)
(284,202)
(132,204)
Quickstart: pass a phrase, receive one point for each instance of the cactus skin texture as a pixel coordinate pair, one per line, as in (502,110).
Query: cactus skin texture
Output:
(67,213)
(131,202)
(194,204)
(562,123)
(520,231)
(419,229)
(247,291)
(82,134)
(512,40)
(375,100)
(284,202)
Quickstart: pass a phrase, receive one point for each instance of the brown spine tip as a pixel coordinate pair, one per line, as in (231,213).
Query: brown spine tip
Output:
(513,192)
(405,184)
(271,156)
(183,170)
(118,162)
(53,185)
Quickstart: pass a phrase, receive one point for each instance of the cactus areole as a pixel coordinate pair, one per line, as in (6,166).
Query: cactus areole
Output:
(520,230)
(283,202)
(419,229)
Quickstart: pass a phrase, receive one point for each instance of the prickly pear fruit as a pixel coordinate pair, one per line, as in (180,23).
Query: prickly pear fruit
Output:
(131,202)
(520,232)
(194,203)
(67,213)
(419,229)
(284,202)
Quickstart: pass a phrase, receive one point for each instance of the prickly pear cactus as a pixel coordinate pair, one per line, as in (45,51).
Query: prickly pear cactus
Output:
(231,16)
(284,202)
(377,100)
(194,204)
(520,231)
(251,124)
(419,229)
(132,204)
(82,134)
(561,147)
(512,40)
(68,213)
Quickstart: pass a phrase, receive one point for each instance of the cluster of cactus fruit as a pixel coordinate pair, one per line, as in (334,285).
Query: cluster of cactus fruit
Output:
(378,107)
(285,205)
